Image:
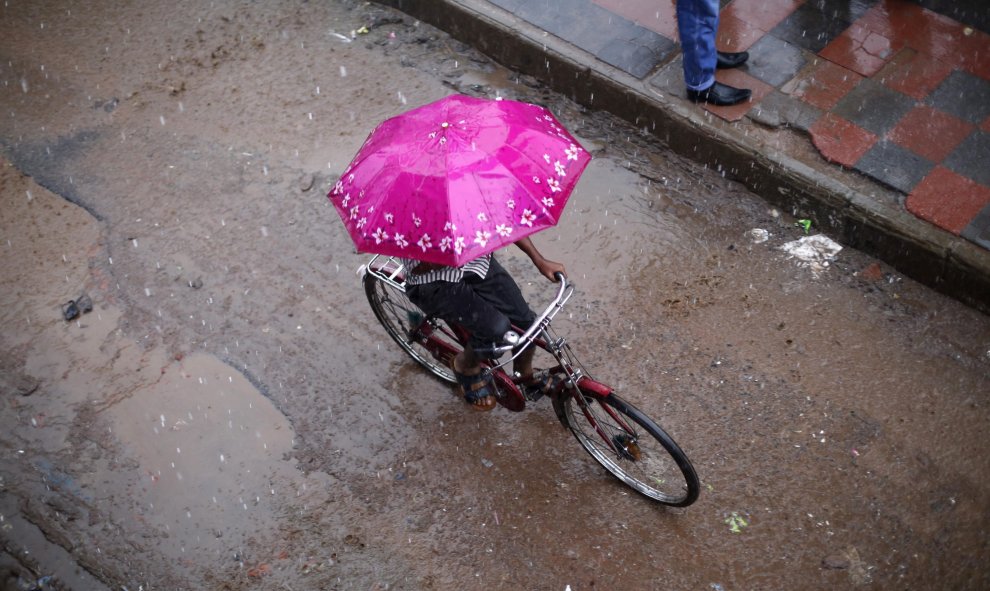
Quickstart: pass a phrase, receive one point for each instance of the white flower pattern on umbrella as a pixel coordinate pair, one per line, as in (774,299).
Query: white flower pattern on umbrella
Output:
(548,201)
(401,241)
(481,237)
(553,184)
(528,217)
(424,242)
(572,152)
(503,230)
(380,236)
(445,243)
(559,168)
(459,245)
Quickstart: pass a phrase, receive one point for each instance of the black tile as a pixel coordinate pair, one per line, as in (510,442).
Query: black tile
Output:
(971,158)
(612,38)
(670,78)
(978,229)
(816,23)
(964,95)
(779,109)
(874,107)
(895,166)
(774,61)
(638,55)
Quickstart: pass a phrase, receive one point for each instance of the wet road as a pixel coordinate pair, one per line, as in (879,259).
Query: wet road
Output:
(230,415)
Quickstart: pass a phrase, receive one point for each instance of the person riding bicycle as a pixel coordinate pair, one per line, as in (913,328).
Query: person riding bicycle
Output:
(482,297)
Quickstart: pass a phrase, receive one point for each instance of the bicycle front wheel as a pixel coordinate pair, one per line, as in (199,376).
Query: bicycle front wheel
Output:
(406,324)
(632,447)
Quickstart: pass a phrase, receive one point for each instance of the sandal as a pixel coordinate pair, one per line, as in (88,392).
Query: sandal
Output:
(478,390)
(537,385)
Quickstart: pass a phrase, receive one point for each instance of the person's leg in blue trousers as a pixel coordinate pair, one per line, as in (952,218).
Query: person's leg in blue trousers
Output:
(697,22)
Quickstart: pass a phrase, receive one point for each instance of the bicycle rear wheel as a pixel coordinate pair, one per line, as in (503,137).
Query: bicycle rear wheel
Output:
(633,448)
(406,324)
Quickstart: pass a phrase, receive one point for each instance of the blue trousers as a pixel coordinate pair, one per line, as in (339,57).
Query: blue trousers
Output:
(697,22)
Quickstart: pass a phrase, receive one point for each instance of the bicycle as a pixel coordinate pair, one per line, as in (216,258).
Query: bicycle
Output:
(624,440)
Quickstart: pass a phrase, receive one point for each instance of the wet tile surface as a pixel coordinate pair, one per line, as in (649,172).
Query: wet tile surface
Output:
(659,17)
(823,84)
(816,24)
(841,141)
(914,74)
(972,157)
(874,107)
(778,108)
(931,133)
(963,95)
(637,55)
(774,61)
(948,200)
(893,165)
(860,50)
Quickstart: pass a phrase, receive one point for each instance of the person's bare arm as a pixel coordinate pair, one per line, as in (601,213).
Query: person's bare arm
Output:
(546,267)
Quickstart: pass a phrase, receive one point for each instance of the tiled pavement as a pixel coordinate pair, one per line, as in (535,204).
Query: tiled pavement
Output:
(898,90)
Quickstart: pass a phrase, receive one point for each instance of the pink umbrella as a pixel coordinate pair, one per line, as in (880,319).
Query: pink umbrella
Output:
(458,178)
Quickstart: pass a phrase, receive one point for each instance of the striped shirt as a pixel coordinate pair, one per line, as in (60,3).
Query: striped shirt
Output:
(478,266)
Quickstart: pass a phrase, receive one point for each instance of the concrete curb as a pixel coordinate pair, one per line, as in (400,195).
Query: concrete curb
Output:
(874,223)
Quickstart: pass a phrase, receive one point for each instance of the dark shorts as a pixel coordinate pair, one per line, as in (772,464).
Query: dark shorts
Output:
(487,307)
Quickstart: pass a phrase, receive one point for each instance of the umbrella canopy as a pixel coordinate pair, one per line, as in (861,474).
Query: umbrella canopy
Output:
(458,178)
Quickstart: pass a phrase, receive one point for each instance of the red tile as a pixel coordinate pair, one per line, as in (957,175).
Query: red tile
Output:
(861,50)
(975,52)
(839,140)
(823,84)
(739,79)
(914,74)
(948,200)
(735,34)
(931,34)
(762,14)
(660,17)
(930,133)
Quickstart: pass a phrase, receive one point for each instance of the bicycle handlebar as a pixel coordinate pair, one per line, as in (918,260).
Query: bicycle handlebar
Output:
(555,305)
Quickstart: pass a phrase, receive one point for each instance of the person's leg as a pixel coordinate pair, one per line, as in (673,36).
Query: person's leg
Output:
(502,291)
(459,303)
(697,22)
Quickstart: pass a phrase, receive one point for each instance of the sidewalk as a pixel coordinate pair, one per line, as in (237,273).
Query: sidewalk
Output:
(871,117)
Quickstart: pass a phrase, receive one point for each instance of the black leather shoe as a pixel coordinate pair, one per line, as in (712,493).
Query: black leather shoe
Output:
(719,94)
(731,60)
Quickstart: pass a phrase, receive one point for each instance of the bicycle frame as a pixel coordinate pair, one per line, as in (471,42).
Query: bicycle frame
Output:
(390,270)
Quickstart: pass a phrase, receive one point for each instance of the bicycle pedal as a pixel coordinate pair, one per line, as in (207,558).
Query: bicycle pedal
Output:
(533,396)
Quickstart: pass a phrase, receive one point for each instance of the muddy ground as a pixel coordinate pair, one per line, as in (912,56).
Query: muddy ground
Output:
(230,416)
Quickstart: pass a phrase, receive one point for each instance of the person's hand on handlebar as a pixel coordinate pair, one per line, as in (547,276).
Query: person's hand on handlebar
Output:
(547,268)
